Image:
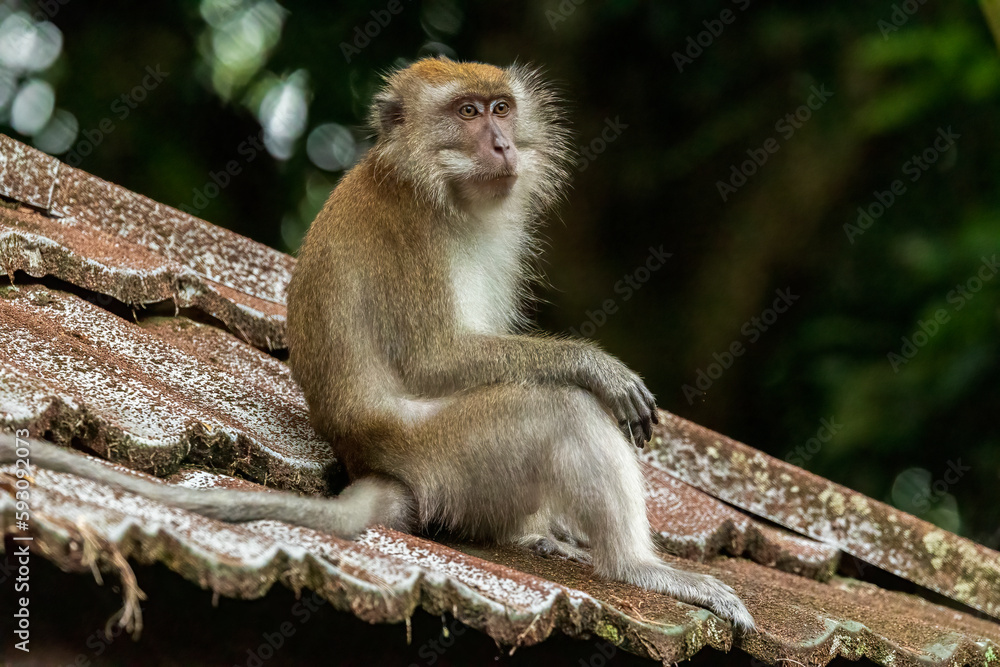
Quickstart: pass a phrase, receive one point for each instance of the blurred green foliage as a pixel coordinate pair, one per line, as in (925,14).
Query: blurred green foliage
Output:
(691,88)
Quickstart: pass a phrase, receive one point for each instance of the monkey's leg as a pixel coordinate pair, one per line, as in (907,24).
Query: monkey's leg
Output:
(515,462)
(483,464)
(364,503)
(545,536)
(564,533)
(604,479)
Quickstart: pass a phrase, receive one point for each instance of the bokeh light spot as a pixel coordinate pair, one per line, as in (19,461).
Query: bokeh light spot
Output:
(33,106)
(26,46)
(58,134)
(331,147)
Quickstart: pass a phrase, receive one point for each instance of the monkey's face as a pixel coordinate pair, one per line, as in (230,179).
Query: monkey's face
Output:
(471,134)
(485,137)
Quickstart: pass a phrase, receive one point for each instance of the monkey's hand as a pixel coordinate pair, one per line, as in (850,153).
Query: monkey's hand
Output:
(626,395)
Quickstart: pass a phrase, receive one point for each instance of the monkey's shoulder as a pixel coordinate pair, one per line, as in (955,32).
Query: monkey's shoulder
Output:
(370,206)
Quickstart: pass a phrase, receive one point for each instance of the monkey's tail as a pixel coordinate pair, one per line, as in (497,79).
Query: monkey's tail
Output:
(366,502)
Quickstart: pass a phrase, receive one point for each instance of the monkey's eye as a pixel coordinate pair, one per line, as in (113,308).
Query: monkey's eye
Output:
(468,111)
(501,108)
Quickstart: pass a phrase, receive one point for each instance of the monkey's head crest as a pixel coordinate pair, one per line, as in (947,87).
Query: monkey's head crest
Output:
(487,134)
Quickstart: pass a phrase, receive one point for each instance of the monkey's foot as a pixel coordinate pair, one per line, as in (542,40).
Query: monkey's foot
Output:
(548,546)
(564,535)
(700,589)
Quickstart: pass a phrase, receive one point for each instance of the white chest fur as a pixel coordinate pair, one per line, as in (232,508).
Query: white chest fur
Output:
(485,268)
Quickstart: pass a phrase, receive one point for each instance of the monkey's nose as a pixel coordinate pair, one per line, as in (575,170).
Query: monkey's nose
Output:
(504,152)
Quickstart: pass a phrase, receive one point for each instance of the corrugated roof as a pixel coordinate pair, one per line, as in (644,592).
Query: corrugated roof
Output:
(514,596)
(695,525)
(175,397)
(810,505)
(152,395)
(104,238)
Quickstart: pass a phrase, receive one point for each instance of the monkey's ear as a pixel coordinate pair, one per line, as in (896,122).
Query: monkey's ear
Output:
(387,112)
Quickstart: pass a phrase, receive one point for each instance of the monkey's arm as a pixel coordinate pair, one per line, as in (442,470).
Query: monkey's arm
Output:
(365,503)
(477,359)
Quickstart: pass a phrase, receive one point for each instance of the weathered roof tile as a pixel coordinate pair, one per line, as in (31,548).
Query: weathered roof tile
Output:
(695,525)
(513,595)
(27,175)
(104,238)
(152,395)
(810,505)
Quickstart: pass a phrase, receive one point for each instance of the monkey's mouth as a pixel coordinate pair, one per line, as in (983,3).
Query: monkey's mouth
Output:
(492,185)
(505,181)
(496,176)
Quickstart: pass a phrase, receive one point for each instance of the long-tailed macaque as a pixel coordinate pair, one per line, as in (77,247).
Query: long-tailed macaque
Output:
(403,321)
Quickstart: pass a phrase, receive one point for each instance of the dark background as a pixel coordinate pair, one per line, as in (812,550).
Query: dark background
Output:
(921,436)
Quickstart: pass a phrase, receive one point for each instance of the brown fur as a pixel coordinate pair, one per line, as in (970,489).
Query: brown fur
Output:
(403,313)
